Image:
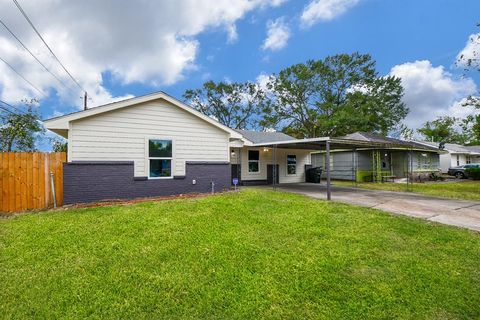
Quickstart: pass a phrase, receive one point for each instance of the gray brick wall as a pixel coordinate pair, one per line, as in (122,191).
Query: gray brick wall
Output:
(85,182)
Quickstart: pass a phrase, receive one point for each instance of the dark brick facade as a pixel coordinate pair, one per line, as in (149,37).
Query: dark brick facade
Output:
(85,182)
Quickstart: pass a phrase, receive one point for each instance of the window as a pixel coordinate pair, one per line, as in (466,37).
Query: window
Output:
(424,161)
(291,164)
(160,158)
(385,160)
(468,159)
(253,160)
(458,160)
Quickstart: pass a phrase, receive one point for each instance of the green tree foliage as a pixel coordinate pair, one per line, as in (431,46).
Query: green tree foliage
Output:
(402,131)
(59,145)
(19,131)
(439,130)
(235,105)
(450,130)
(471,129)
(335,96)
(476,130)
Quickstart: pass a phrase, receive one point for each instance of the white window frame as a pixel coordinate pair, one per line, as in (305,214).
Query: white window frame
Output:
(248,161)
(296,165)
(147,157)
(468,159)
(458,160)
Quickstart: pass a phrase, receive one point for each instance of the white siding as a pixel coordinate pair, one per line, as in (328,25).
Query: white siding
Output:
(446,161)
(461,157)
(303,158)
(121,135)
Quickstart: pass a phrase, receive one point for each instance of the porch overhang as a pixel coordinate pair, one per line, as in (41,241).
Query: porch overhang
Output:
(345,144)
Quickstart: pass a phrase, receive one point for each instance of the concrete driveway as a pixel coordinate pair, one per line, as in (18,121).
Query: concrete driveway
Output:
(460,213)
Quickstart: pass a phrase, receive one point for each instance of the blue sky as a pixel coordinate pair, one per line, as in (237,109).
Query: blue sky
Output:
(119,49)
(392,31)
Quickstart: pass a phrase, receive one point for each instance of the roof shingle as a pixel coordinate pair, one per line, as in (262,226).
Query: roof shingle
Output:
(264,137)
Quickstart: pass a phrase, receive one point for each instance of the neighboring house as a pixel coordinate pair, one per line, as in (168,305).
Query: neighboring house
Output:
(457,155)
(475,149)
(155,145)
(396,159)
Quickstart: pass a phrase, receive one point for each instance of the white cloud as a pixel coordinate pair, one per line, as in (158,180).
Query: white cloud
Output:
(278,34)
(262,80)
(151,42)
(324,10)
(232,33)
(471,51)
(431,92)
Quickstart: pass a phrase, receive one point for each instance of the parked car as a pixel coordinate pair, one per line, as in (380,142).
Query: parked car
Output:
(459,172)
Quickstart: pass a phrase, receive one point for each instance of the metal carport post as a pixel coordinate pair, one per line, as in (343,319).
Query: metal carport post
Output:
(327,168)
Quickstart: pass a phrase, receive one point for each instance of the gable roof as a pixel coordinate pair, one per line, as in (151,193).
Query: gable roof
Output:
(61,124)
(453,147)
(264,137)
(350,141)
(376,138)
(475,149)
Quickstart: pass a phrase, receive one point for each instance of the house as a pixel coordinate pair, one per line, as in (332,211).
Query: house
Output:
(396,158)
(456,154)
(155,145)
(152,145)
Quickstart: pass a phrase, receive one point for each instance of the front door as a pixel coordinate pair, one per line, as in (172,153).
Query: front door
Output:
(270,174)
(236,173)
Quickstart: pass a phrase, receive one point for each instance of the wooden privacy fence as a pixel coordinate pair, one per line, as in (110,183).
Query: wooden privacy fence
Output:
(25,180)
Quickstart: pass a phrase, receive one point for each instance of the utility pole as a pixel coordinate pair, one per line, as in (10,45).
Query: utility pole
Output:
(85,101)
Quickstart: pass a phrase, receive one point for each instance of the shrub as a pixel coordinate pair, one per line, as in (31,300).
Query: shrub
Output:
(473,173)
(436,176)
(426,176)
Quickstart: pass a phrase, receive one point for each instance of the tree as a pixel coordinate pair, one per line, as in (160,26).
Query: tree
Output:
(19,131)
(449,130)
(470,59)
(476,131)
(59,144)
(439,130)
(471,129)
(235,105)
(402,131)
(335,96)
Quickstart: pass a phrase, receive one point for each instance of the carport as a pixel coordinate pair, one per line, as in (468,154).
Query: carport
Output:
(328,145)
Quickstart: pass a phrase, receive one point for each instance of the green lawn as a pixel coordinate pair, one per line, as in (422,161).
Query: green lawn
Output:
(466,190)
(247,255)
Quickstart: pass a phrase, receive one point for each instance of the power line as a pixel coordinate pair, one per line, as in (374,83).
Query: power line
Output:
(7,104)
(5,109)
(20,75)
(45,43)
(28,50)
(11,106)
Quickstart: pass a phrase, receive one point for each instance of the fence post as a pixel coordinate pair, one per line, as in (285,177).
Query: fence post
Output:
(52,182)
(46,182)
